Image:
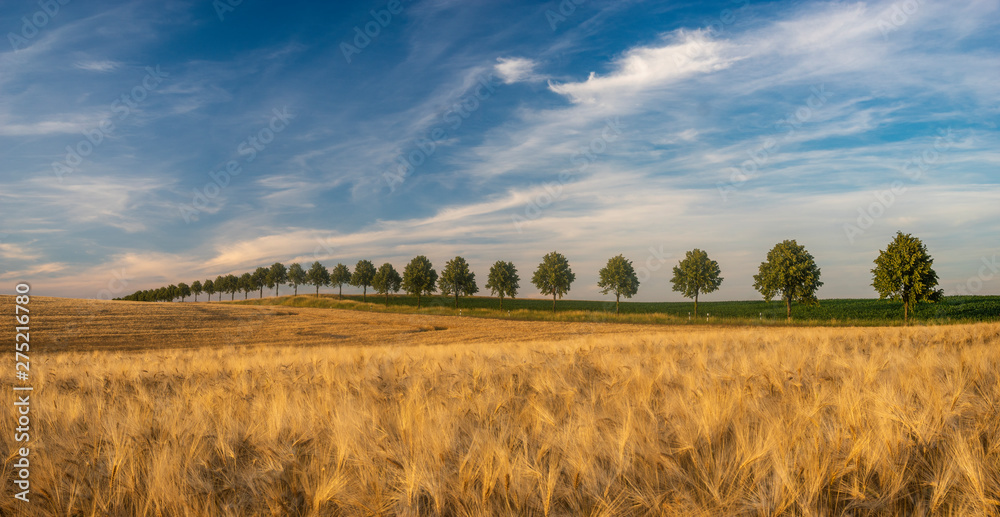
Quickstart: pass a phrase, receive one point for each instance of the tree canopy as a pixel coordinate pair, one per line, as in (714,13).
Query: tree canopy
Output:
(618,277)
(318,276)
(364,273)
(339,276)
(419,277)
(457,279)
(903,271)
(789,272)
(386,280)
(503,280)
(276,276)
(696,274)
(296,276)
(553,276)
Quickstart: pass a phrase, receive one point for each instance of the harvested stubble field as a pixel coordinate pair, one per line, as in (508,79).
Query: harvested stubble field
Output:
(624,421)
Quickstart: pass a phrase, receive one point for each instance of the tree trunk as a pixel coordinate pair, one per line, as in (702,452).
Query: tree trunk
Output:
(617,304)
(501,303)
(276,287)
(246,294)
(387,298)
(696,304)
(456,298)
(261,292)
(418,300)
(553,300)
(906,312)
(231,298)
(364,294)
(317,290)
(341,291)
(788,307)
(296,289)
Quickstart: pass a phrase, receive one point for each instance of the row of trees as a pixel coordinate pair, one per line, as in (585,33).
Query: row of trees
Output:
(903,272)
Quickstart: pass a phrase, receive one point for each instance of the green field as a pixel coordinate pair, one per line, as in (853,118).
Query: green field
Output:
(955,309)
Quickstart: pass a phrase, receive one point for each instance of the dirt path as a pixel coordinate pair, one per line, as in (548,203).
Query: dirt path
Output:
(64,324)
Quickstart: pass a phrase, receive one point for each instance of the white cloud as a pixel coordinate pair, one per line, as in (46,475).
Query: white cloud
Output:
(97,66)
(515,69)
(685,55)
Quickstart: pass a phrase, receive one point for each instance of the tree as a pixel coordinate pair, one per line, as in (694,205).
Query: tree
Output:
(457,279)
(296,276)
(903,272)
(503,280)
(318,276)
(696,274)
(260,280)
(419,277)
(364,272)
(276,276)
(618,277)
(221,286)
(790,272)
(246,284)
(209,287)
(553,276)
(339,276)
(386,280)
(196,289)
(232,286)
(183,290)
(171,292)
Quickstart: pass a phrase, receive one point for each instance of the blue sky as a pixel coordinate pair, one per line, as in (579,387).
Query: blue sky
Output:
(149,143)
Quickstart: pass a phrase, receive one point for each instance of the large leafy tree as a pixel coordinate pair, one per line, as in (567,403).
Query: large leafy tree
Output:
(789,272)
(696,274)
(503,280)
(386,280)
(277,275)
(260,280)
(183,290)
(457,279)
(903,272)
(618,277)
(419,277)
(209,288)
(246,284)
(553,276)
(364,272)
(196,289)
(296,276)
(232,285)
(318,276)
(339,276)
(221,285)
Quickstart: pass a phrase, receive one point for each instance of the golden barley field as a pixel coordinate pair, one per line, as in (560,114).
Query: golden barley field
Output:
(601,420)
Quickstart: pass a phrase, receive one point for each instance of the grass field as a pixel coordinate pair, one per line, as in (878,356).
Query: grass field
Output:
(856,312)
(482,419)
